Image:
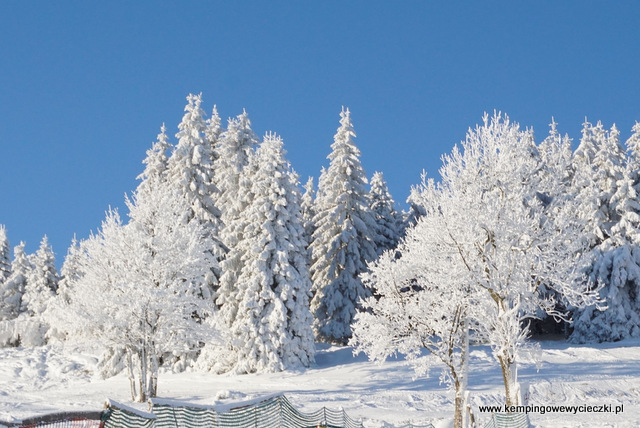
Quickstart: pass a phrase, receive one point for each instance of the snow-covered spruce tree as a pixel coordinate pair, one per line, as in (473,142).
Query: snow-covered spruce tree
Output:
(190,169)
(155,171)
(388,220)
(148,276)
(11,292)
(416,307)
(40,286)
(597,168)
(5,255)
(616,261)
(609,166)
(272,329)
(69,275)
(234,148)
(416,207)
(42,281)
(212,133)
(342,243)
(69,272)
(308,210)
(495,234)
(14,287)
(556,155)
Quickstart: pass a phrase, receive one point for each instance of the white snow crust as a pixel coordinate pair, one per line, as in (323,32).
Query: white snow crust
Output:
(41,380)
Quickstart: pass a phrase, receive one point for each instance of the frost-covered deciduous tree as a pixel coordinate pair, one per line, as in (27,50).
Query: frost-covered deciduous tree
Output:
(388,220)
(495,238)
(151,274)
(148,275)
(272,329)
(342,243)
(416,307)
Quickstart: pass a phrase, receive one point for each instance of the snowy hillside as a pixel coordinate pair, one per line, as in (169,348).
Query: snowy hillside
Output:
(47,379)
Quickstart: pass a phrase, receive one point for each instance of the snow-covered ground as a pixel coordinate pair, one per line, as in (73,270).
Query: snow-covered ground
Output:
(43,380)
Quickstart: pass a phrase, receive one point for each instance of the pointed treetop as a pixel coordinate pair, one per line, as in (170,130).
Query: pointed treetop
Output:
(633,145)
(214,128)
(156,160)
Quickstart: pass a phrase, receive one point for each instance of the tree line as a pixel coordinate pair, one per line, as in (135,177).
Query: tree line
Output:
(225,263)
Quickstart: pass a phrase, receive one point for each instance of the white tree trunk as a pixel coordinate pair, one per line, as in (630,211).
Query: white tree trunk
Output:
(153,382)
(460,381)
(132,381)
(509,375)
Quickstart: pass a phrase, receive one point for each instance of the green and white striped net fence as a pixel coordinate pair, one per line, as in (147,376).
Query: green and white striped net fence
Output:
(270,412)
(508,420)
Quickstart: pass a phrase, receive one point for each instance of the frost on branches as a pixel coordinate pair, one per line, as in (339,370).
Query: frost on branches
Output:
(272,328)
(343,240)
(491,236)
(416,307)
(140,286)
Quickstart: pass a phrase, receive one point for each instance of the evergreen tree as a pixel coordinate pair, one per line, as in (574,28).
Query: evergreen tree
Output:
(70,271)
(42,281)
(272,330)
(388,220)
(584,185)
(15,285)
(235,146)
(616,260)
(190,170)
(308,210)
(609,166)
(5,256)
(342,243)
(556,158)
(156,162)
(416,206)
(212,133)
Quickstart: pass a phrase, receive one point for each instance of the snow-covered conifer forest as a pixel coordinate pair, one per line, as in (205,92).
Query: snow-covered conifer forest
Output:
(226,264)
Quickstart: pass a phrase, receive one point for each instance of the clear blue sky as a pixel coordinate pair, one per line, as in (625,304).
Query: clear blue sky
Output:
(85,86)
